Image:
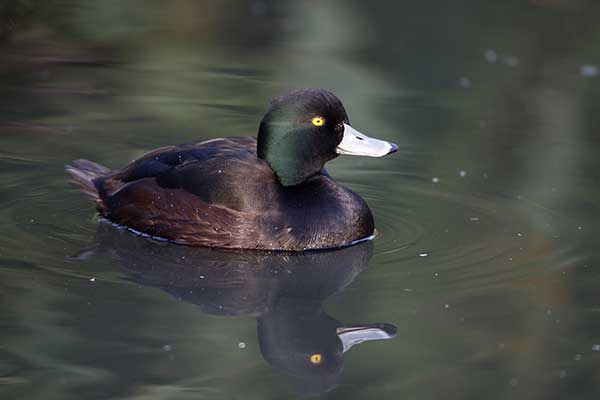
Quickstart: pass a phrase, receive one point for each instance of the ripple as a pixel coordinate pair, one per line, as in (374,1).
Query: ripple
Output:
(455,238)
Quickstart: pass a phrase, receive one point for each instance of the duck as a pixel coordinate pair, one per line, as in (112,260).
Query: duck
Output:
(271,192)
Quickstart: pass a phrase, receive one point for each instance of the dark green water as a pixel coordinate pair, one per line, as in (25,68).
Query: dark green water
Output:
(486,259)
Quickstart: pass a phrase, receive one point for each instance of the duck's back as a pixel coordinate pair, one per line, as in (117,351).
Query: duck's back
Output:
(219,193)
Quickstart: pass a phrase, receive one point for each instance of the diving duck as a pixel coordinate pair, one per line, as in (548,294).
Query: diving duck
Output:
(269,193)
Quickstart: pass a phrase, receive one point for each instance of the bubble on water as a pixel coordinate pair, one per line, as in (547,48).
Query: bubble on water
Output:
(474,219)
(465,82)
(588,70)
(510,61)
(92,279)
(490,56)
(562,374)
(446,306)
(242,345)
(435,179)
(167,347)
(596,347)
(462,173)
(578,357)
(423,254)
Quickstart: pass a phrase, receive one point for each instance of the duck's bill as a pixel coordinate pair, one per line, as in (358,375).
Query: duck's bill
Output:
(357,144)
(356,334)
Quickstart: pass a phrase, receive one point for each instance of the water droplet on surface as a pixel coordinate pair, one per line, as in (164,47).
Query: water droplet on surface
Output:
(562,374)
(510,61)
(465,82)
(588,70)
(490,56)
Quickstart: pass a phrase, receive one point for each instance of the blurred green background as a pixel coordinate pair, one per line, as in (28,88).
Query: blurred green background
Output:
(486,257)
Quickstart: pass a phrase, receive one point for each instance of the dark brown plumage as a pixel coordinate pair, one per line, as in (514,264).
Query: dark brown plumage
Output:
(218,193)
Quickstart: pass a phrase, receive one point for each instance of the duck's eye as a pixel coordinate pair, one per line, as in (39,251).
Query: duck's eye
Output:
(316,359)
(318,121)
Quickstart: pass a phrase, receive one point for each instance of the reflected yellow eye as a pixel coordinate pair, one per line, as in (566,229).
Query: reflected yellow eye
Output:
(318,121)
(316,358)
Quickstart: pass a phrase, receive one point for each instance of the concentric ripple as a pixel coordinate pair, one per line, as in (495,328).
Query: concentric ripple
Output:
(465,240)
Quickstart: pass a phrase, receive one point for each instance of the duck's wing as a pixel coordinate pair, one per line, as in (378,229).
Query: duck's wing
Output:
(166,158)
(192,194)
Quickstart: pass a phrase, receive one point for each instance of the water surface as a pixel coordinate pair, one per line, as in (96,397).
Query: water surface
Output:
(483,276)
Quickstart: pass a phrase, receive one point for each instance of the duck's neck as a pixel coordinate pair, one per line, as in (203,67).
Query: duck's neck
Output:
(290,158)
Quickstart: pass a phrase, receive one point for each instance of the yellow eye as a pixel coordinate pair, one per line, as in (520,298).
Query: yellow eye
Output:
(316,358)
(318,121)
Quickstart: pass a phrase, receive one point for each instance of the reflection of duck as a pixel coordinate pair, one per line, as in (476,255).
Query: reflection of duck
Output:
(265,193)
(301,340)
(283,291)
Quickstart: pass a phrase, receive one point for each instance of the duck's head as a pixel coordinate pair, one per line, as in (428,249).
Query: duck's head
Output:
(303,130)
(298,337)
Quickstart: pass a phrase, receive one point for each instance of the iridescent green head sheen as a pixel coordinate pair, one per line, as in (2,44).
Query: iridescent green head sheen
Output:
(303,130)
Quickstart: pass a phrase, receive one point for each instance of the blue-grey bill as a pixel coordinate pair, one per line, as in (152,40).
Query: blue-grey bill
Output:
(358,144)
(353,335)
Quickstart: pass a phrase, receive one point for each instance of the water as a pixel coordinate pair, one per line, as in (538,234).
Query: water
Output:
(481,282)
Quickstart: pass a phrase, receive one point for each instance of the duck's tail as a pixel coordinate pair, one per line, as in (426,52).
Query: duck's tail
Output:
(83,173)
